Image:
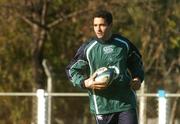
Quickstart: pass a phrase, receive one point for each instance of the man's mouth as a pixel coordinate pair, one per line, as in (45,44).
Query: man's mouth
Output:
(99,33)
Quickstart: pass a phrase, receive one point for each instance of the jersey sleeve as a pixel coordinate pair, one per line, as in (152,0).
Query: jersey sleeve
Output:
(134,62)
(77,70)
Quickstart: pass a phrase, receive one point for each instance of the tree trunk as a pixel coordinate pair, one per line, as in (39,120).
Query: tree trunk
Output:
(37,58)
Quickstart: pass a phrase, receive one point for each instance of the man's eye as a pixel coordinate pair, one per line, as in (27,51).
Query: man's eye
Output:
(103,25)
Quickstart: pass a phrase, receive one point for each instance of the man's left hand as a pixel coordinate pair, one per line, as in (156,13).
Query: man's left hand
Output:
(135,83)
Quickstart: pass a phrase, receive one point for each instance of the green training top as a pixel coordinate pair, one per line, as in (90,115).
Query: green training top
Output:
(117,53)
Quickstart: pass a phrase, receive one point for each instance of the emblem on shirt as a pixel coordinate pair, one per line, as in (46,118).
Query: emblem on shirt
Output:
(108,49)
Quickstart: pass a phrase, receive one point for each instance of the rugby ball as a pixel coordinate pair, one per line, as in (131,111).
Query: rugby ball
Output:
(105,75)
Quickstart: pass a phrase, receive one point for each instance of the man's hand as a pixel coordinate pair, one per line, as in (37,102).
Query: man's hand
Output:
(90,83)
(135,83)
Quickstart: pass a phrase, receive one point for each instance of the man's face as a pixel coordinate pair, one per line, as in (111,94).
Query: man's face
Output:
(101,28)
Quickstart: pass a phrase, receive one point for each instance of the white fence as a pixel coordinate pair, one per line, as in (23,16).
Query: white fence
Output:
(43,110)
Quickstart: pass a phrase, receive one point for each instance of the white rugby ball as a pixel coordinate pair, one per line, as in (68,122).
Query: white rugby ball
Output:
(105,75)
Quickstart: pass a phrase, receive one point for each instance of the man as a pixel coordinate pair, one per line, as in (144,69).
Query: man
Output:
(114,103)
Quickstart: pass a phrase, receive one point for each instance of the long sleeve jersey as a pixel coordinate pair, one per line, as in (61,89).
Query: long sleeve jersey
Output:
(117,53)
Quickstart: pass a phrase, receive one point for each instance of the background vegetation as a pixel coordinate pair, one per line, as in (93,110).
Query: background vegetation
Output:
(33,30)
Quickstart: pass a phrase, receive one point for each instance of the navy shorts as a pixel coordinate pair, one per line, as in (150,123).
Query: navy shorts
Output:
(126,117)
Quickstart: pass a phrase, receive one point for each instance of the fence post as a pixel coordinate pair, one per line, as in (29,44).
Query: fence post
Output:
(162,107)
(49,90)
(142,105)
(41,107)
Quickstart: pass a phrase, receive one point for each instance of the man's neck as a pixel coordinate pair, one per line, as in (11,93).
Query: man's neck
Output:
(105,40)
(107,37)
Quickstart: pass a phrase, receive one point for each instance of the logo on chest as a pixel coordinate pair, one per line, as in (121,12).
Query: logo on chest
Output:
(108,49)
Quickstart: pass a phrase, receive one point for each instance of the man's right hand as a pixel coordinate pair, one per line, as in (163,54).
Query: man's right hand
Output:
(90,83)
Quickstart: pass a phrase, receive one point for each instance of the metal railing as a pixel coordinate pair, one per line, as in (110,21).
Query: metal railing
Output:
(74,94)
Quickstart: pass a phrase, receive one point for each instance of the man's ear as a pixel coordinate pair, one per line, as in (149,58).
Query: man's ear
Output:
(110,25)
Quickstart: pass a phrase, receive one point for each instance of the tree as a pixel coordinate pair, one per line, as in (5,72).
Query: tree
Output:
(38,21)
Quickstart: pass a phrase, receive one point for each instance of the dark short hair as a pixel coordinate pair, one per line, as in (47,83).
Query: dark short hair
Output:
(104,14)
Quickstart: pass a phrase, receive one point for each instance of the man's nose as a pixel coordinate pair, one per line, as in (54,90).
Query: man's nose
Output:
(98,27)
